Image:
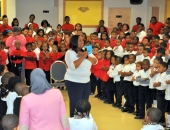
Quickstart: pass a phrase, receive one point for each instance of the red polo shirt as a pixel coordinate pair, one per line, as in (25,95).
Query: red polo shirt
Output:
(44,64)
(104,76)
(29,39)
(17,53)
(112,43)
(30,64)
(34,24)
(156,27)
(98,68)
(54,56)
(3,57)
(5,27)
(67,27)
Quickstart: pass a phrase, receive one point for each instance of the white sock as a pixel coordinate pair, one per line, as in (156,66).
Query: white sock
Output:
(168,120)
(155,103)
(124,100)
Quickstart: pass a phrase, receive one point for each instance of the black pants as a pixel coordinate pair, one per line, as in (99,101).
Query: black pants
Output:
(129,95)
(119,92)
(103,88)
(99,91)
(77,91)
(27,76)
(153,94)
(144,97)
(93,81)
(47,73)
(136,90)
(3,109)
(16,69)
(160,96)
(110,91)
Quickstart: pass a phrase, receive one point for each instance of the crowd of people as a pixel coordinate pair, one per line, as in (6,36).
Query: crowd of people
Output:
(132,63)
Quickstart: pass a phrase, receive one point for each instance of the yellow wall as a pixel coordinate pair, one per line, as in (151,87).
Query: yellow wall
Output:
(168,9)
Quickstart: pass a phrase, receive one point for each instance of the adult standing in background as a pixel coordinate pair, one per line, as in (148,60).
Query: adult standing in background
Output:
(67,27)
(77,77)
(101,24)
(15,22)
(168,22)
(155,25)
(5,25)
(31,20)
(45,26)
(138,21)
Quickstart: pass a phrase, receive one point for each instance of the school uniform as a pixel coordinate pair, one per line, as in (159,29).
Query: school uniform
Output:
(45,65)
(54,56)
(118,84)
(10,102)
(34,24)
(152,127)
(46,30)
(160,95)
(153,90)
(118,51)
(3,57)
(17,103)
(5,27)
(141,35)
(113,43)
(153,58)
(16,64)
(37,52)
(123,43)
(128,88)
(29,39)
(7,61)
(132,52)
(30,64)
(147,57)
(101,44)
(107,48)
(144,92)
(67,27)
(167,97)
(136,89)
(139,58)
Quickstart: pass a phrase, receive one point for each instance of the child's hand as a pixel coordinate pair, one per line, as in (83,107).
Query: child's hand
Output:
(103,68)
(139,77)
(133,78)
(157,84)
(168,81)
(119,72)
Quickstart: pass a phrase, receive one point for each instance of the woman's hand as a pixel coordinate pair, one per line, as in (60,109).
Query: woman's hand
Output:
(83,54)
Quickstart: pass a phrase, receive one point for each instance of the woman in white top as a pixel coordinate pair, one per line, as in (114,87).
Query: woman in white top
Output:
(77,77)
(82,119)
(45,26)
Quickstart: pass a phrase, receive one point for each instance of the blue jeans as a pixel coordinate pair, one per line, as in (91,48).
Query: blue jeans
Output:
(77,91)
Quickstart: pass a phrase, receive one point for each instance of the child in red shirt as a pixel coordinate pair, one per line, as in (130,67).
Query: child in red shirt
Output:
(103,37)
(113,39)
(44,60)
(54,55)
(45,38)
(30,62)
(122,36)
(3,56)
(40,34)
(50,43)
(104,76)
(67,41)
(62,50)
(16,58)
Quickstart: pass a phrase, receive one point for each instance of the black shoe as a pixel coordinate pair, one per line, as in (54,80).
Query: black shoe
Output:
(138,117)
(106,102)
(130,111)
(135,113)
(114,104)
(96,96)
(124,109)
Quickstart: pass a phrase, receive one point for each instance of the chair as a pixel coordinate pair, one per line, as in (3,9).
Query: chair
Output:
(57,72)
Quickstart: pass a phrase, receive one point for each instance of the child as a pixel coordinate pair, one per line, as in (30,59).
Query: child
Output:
(30,62)
(144,91)
(103,37)
(17,56)
(36,38)
(118,82)
(113,39)
(111,89)
(3,55)
(97,44)
(10,122)
(104,76)
(45,38)
(127,73)
(18,88)
(37,52)
(132,35)
(59,29)
(44,60)
(118,49)
(82,118)
(67,40)
(152,118)
(135,42)
(146,52)
(131,48)
(146,41)
(50,43)
(40,33)
(107,44)
(139,54)
(122,36)
(54,54)
(63,50)
(160,85)
(78,27)
(136,86)
(152,77)
(3,70)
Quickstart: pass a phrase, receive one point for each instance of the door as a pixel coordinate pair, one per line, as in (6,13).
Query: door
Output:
(116,15)
(155,12)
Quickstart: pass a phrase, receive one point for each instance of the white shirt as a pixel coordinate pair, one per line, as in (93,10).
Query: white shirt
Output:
(37,52)
(50,49)
(10,102)
(111,69)
(139,58)
(152,127)
(152,80)
(80,74)
(108,48)
(153,58)
(140,35)
(167,91)
(118,51)
(161,78)
(7,61)
(82,124)
(147,58)
(161,36)
(115,74)
(135,74)
(133,52)
(46,30)
(144,74)
(0,80)
(128,68)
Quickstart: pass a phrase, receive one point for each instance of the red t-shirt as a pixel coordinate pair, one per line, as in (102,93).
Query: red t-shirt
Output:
(135,28)
(35,25)
(123,43)
(5,27)
(54,56)
(156,27)
(30,64)
(101,44)
(44,64)
(17,53)
(98,68)
(41,39)
(29,39)
(112,43)
(104,76)
(3,57)
(67,27)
